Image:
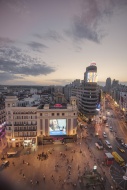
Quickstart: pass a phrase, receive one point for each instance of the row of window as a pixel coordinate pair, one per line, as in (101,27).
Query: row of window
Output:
(25,123)
(25,128)
(29,112)
(25,134)
(25,117)
(56,114)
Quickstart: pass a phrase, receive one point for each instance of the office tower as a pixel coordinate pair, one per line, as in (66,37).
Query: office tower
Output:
(115,83)
(108,85)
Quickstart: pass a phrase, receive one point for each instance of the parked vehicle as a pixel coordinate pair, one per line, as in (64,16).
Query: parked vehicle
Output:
(10,154)
(119,140)
(124,145)
(99,145)
(118,159)
(121,149)
(104,135)
(109,158)
(108,144)
(5,163)
(111,129)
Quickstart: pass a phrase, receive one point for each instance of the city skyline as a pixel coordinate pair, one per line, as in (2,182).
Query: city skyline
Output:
(52,42)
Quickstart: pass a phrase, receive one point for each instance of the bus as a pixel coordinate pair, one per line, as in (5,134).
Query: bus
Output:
(10,154)
(109,159)
(118,159)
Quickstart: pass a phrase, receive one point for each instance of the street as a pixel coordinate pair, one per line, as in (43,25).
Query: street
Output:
(66,166)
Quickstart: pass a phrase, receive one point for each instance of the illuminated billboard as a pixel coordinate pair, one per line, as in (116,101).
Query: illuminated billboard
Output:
(57,127)
(91,77)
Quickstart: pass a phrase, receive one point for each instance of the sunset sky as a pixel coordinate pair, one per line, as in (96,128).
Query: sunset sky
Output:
(51,42)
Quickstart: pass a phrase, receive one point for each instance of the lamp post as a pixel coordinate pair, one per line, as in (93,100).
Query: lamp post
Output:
(94,168)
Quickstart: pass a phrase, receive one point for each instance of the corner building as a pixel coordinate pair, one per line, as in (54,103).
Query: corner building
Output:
(30,124)
(90,95)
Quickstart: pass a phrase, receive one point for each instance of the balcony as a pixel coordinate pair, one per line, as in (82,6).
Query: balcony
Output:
(20,130)
(25,125)
(25,135)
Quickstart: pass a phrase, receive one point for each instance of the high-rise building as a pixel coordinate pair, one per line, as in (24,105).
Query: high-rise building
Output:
(115,83)
(108,85)
(89,96)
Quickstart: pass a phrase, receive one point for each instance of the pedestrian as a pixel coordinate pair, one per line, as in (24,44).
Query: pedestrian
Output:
(37,182)
(44,177)
(52,177)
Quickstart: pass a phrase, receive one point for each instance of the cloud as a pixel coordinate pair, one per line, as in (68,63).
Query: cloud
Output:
(87,24)
(6,76)
(50,35)
(53,35)
(5,41)
(35,46)
(13,61)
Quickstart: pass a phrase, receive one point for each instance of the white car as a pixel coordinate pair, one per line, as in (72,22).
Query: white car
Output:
(110,128)
(125,145)
(104,135)
(99,145)
(108,144)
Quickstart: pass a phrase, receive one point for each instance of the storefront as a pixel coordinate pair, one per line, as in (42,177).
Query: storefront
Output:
(29,142)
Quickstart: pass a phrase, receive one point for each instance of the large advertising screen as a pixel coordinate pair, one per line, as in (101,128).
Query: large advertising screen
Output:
(92,77)
(57,127)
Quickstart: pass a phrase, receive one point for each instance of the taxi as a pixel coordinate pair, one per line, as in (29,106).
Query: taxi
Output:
(121,149)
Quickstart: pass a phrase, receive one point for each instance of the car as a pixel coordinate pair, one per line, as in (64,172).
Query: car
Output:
(99,145)
(124,145)
(119,140)
(111,129)
(5,163)
(121,149)
(104,135)
(108,144)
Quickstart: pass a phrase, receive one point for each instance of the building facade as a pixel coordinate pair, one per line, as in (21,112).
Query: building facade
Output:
(89,96)
(108,85)
(30,125)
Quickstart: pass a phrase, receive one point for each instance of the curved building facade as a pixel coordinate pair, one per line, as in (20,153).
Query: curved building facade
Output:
(90,94)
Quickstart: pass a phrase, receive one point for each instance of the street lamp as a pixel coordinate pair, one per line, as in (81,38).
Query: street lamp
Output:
(94,168)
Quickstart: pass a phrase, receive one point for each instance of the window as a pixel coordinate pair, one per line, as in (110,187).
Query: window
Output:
(52,114)
(62,113)
(74,113)
(40,114)
(58,114)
